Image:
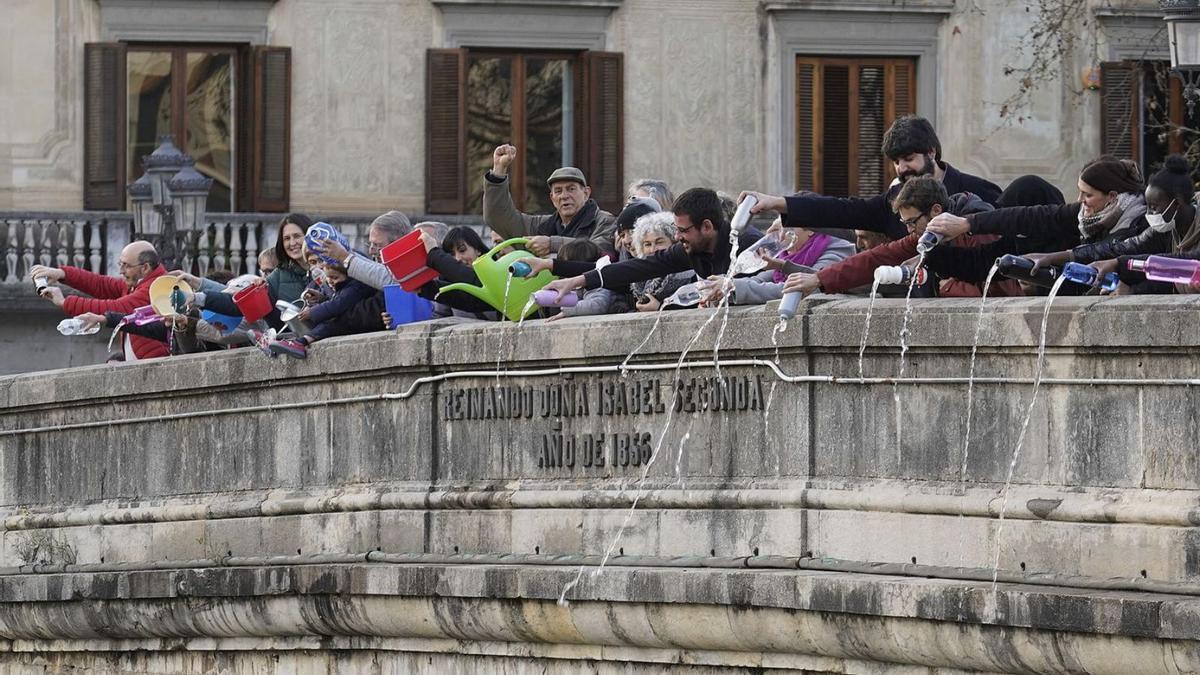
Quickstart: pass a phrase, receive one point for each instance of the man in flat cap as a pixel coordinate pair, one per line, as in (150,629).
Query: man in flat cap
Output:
(576,215)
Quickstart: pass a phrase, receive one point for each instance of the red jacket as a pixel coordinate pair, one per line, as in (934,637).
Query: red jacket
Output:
(859,270)
(111,294)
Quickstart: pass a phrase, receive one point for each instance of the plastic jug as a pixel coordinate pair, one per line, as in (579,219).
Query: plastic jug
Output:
(493,276)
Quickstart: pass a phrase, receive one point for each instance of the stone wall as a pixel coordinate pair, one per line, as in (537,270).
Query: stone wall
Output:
(393,486)
(701,99)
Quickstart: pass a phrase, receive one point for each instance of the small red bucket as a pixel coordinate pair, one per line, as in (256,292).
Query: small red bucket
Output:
(406,259)
(254,301)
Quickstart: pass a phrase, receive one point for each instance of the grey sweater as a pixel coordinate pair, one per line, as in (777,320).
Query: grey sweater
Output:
(762,287)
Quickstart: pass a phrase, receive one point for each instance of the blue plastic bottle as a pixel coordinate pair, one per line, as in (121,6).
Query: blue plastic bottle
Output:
(1082,274)
(520,269)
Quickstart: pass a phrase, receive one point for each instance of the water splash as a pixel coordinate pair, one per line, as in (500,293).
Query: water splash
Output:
(1012,465)
(904,348)
(726,290)
(962,475)
(862,346)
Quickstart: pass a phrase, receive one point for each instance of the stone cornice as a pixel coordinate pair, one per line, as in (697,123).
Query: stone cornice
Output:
(916,6)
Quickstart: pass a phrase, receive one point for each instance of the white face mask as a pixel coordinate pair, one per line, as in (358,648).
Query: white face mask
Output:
(1158,221)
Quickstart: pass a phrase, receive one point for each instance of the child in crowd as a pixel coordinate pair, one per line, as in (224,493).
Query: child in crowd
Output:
(326,317)
(267,262)
(596,300)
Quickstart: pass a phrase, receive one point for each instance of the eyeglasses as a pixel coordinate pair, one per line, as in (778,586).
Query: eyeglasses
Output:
(126,266)
(684,230)
(912,222)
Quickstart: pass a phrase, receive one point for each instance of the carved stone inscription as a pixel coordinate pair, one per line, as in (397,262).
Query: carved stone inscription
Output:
(620,417)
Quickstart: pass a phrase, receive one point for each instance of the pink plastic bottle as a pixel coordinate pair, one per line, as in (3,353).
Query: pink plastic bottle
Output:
(1170,270)
(547,298)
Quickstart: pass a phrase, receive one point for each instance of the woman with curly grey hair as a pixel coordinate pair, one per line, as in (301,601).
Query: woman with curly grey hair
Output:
(655,232)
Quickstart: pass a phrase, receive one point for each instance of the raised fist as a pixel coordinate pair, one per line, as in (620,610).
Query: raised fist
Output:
(501,158)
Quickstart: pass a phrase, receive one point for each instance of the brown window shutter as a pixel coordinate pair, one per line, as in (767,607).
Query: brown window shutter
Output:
(835,136)
(867,179)
(272,119)
(807,117)
(605,103)
(901,100)
(445,130)
(104,126)
(1119,110)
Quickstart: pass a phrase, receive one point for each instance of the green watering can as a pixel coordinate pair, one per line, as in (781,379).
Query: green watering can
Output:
(493,277)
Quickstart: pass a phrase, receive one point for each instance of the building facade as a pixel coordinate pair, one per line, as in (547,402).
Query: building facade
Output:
(359,106)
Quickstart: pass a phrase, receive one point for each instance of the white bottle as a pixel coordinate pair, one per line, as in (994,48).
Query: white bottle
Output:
(687,295)
(742,216)
(788,305)
(77,327)
(899,274)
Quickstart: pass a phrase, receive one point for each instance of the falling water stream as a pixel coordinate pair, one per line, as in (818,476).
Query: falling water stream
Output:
(779,328)
(862,346)
(904,348)
(962,476)
(504,335)
(1012,465)
(641,485)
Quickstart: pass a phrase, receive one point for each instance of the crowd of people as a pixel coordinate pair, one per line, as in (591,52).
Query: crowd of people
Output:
(663,251)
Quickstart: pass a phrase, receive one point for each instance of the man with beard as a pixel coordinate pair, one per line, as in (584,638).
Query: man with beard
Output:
(576,215)
(139,266)
(914,150)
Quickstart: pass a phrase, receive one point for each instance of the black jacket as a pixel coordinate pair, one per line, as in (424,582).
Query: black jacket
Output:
(618,276)
(875,213)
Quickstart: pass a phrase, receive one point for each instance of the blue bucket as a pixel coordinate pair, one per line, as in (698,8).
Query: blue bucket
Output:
(405,307)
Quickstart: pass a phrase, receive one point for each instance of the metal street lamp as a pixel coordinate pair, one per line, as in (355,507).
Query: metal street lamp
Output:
(170,195)
(1183,34)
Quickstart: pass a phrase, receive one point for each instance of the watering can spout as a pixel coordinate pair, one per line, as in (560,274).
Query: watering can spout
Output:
(476,291)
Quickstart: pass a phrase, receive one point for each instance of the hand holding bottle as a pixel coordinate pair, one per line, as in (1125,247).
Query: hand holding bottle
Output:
(948,226)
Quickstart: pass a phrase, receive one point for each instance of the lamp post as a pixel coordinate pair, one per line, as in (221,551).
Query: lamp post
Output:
(1183,34)
(170,195)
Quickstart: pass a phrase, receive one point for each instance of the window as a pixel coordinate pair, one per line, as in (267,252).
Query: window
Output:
(189,93)
(843,108)
(1143,116)
(228,106)
(559,108)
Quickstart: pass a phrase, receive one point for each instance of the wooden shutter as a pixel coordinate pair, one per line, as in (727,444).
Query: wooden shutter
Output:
(835,136)
(271,147)
(1119,125)
(104,126)
(445,130)
(605,104)
(808,141)
(901,101)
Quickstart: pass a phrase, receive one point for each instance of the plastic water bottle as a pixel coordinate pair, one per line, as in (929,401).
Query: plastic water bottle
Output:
(520,269)
(928,241)
(1082,274)
(549,298)
(742,216)
(40,284)
(1017,267)
(900,274)
(1170,270)
(751,260)
(688,295)
(77,327)
(789,304)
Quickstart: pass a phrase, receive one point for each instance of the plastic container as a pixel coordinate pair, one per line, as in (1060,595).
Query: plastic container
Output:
(741,217)
(405,307)
(40,284)
(548,298)
(789,304)
(75,327)
(520,269)
(1083,274)
(406,258)
(1170,270)
(1017,267)
(928,241)
(688,295)
(900,274)
(255,302)
(222,322)
(751,260)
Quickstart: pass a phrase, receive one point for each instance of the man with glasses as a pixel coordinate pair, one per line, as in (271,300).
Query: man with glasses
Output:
(701,244)
(913,148)
(917,202)
(139,266)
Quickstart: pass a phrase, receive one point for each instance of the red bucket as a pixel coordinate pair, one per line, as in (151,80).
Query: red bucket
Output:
(406,259)
(254,301)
